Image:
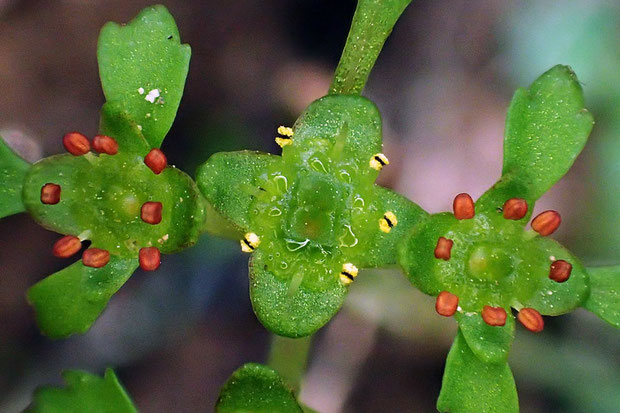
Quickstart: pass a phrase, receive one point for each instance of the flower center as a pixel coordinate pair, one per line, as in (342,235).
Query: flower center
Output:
(315,209)
(489,263)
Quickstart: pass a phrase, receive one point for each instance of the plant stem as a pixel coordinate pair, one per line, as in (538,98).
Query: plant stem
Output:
(372,24)
(289,356)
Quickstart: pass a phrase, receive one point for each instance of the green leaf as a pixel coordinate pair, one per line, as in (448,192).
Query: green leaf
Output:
(288,306)
(117,123)
(372,24)
(604,299)
(473,386)
(490,344)
(12,172)
(257,389)
(553,298)
(547,126)
(229,181)
(84,392)
(377,248)
(143,67)
(70,300)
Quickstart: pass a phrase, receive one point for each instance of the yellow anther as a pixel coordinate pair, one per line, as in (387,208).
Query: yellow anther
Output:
(378,161)
(249,242)
(387,222)
(282,142)
(348,273)
(285,131)
(286,136)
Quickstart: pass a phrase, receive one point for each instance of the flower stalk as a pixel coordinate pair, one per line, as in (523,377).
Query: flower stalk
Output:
(373,22)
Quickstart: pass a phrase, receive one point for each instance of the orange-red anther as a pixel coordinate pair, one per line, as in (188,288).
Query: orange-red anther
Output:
(446,304)
(50,194)
(149,258)
(151,212)
(463,207)
(156,160)
(105,144)
(66,246)
(494,316)
(546,222)
(515,208)
(531,319)
(560,271)
(443,248)
(95,257)
(75,143)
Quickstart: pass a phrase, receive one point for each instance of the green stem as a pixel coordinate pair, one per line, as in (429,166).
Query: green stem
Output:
(289,356)
(372,24)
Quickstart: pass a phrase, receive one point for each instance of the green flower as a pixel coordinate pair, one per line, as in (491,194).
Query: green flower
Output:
(313,216)
(481,262)
(124,200)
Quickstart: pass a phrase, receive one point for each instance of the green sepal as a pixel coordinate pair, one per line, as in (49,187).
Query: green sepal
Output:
(258,389)
(377,248)
(116,123)
(141,57)
(491,344)
(604,299)
(551,297)
(473,386)
(547,126)
(70,300)
(507,187)
(84,392)
(12,172)
(101,197)
(415,253)
(230,181)
(346,128)
(288,306)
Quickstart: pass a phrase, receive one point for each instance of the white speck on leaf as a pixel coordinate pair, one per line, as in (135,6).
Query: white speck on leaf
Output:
(152,95)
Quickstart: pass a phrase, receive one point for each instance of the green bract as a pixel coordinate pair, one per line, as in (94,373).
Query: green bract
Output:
(12,172)
(474,386)
(604,299)
(143,67)
(258,389)
(311,213)
(85,392)
(491,260)
(100,197)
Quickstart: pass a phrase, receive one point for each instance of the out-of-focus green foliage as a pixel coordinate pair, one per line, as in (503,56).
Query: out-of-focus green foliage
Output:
(604,299)
(84,392)
(258,389)
(12,172)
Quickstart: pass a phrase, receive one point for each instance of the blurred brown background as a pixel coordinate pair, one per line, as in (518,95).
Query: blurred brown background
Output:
(443,83)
